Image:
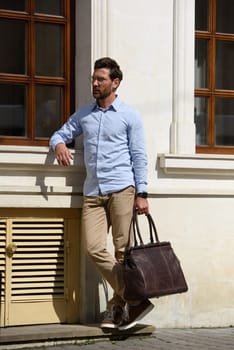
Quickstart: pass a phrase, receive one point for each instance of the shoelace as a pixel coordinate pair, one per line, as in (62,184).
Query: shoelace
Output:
(125,315)
(109,314)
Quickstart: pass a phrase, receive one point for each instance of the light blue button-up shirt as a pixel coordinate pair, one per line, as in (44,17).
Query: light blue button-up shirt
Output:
(114,147)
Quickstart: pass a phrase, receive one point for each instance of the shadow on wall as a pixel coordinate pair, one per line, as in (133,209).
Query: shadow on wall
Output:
(93,285)
(93,291)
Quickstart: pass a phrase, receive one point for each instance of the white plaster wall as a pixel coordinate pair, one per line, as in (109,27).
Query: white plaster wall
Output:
(191,196)
(140,38)
(202,236)
(192,206)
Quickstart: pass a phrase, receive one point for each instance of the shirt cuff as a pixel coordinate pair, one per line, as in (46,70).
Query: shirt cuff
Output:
(141,188)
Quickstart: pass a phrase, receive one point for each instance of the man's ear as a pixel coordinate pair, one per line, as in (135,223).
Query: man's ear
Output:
(115,83)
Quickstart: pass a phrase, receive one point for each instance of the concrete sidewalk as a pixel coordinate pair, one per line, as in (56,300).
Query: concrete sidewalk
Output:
(39,335)
(138,339)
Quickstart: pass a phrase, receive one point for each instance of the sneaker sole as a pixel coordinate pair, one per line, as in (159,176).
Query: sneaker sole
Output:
(132,324)
(110,326)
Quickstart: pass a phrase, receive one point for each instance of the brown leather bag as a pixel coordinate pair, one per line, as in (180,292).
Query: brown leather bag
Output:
(151,270)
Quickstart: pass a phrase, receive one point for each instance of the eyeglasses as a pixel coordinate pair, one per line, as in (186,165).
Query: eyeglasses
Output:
(100,80)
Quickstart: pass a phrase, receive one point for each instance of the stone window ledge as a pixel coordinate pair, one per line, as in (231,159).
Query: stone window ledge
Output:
(40,158)
(197,164)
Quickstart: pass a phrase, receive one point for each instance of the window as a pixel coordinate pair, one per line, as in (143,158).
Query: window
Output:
(214,76)
(35,69)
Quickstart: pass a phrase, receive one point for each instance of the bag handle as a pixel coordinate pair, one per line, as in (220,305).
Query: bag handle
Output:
(136,230)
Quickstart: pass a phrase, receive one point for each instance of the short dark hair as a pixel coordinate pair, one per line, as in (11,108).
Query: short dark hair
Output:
(107,62)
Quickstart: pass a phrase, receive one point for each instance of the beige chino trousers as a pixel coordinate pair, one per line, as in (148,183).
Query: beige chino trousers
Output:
(99,213)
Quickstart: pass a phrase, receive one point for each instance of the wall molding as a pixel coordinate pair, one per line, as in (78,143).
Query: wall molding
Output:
(99,19)
(197,164)
(31,177)
(182,129)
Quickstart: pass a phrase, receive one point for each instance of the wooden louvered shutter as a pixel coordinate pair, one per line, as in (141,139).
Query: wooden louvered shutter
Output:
(35,270)
(2,269)
(38,263)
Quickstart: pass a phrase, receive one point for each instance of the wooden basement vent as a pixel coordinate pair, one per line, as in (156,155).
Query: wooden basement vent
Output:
(39,268)
(2,259)
(38,263)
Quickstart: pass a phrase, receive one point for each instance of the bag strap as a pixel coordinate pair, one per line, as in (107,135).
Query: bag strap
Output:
(153,229)
(136,230)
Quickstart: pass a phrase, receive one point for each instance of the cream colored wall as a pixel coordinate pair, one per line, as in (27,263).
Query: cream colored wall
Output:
(30,177)
(191,196)
(200,229)
(201,232)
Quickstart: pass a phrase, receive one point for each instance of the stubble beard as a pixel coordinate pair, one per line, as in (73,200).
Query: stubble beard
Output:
(101,96)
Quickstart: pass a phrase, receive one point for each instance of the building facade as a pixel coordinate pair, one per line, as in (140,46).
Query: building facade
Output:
(45,276)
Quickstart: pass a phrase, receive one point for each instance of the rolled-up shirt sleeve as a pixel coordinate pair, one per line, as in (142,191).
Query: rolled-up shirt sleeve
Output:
(70,130)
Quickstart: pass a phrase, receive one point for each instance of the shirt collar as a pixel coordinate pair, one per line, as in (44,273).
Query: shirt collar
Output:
(115,104)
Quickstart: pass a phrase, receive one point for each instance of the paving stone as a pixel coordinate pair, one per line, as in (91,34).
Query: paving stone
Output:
(161,339)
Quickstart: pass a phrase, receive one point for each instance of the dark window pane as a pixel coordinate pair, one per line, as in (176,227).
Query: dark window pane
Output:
(12,5)
(49,54)
(13,46)
(48,110)
(224,122)
(49,7)
(201,120)
(12,110)
(201,15)
(224,65)
(201,63)
(224,16)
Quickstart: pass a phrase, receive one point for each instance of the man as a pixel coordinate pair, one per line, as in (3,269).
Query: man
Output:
(115,184)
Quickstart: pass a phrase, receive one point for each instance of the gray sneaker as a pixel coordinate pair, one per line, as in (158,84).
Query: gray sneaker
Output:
(113,317)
